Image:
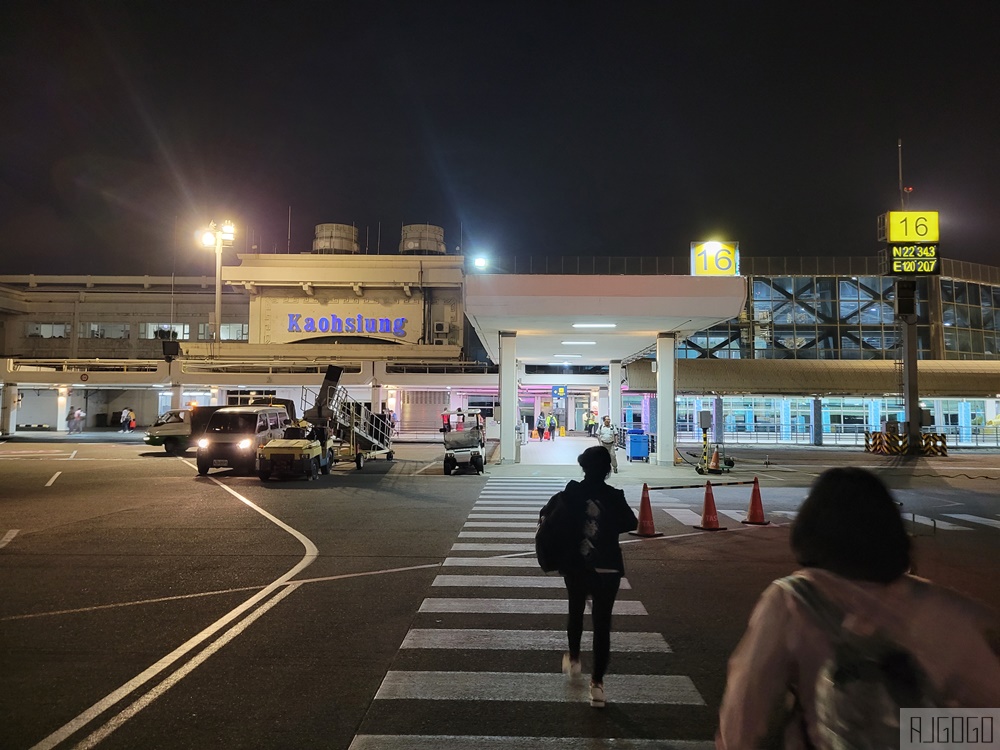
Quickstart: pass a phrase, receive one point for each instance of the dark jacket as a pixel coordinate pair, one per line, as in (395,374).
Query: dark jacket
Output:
(597,513)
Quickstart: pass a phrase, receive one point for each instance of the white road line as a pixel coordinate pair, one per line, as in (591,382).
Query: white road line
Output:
(464,742)
(544,687)
(8,536)
(526,640)
(115,722)
(245,609)
(514,582)
(496,535)
(219,592)
(72,455)
(53,479)
(500,525)
(974,519)
(483,606)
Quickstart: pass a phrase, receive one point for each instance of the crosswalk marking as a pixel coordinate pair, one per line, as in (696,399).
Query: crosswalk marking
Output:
(491,562)
(543,687)
(975,519)
(489,555)
(736,515)
(530,582)
(526,640)
(476,547)
(624,607)
(686,517)
(464,742)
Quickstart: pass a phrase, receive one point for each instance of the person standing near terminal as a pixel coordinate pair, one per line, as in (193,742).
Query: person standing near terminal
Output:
(123,420)
(592,514)
(608,439)
(540,424)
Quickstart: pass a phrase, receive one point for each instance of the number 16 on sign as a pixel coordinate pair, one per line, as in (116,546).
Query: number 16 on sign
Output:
(715,258)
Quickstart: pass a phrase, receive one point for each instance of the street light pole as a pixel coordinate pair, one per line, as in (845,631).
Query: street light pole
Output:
(218,287)
(219,238)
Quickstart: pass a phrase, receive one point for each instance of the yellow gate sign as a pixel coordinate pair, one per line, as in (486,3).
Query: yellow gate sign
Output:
(911,226)
(715,258)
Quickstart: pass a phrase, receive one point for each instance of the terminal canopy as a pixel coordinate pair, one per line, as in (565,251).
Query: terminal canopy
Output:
(555,316)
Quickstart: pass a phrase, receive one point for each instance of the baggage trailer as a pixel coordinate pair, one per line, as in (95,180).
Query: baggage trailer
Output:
(362,433)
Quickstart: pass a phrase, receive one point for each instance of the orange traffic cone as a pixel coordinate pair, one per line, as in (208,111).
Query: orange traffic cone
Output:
(755,515)
(709,516)
(646,527)
(715,460)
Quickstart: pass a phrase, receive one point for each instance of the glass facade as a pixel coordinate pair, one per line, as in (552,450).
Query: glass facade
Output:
(853,317)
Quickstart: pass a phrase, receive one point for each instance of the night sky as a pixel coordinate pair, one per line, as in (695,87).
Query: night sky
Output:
(546,127)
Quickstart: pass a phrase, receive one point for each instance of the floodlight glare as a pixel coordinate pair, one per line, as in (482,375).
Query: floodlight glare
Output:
(208,239)
(480,262)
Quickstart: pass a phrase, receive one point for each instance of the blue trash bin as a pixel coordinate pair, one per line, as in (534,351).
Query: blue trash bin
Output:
(637,446)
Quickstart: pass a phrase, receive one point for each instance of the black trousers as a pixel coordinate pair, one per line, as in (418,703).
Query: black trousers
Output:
(602,589)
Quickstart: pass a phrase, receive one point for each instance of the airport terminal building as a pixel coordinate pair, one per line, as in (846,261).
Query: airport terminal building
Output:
(793,350)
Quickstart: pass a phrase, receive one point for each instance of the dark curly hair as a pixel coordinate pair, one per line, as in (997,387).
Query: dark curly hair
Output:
(850,525)
(595,462)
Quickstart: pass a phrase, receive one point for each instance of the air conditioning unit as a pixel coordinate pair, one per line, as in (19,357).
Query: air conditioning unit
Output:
(441,328)
(440,341)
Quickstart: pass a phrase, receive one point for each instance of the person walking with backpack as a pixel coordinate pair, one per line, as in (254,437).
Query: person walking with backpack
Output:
(590,515)
(851,637)
(553,425)
(608,440)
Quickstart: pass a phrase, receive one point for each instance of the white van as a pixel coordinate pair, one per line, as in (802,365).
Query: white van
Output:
(176,429)
(234,433)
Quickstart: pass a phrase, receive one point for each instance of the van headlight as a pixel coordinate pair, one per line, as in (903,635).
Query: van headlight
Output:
(244,444)
(203,442)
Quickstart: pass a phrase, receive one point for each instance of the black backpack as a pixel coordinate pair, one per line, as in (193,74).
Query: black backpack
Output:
(557,536)
(864,684)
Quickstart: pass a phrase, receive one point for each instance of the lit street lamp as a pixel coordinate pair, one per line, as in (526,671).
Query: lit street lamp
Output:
(218,238)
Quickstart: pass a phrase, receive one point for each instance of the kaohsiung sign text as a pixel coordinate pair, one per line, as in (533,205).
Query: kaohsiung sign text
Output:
(358,324)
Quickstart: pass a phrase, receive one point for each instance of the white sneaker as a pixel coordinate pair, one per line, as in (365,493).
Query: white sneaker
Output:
(569,667)
(597,694)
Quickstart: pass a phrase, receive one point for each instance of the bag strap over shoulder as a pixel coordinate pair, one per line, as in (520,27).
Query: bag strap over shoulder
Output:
(817,605)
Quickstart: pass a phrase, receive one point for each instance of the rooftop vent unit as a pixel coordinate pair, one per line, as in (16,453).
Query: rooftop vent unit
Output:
(335,239)
(441,328)
(422,239)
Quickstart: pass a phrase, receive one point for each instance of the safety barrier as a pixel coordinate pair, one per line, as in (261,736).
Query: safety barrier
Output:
(890,444)
(934,444)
